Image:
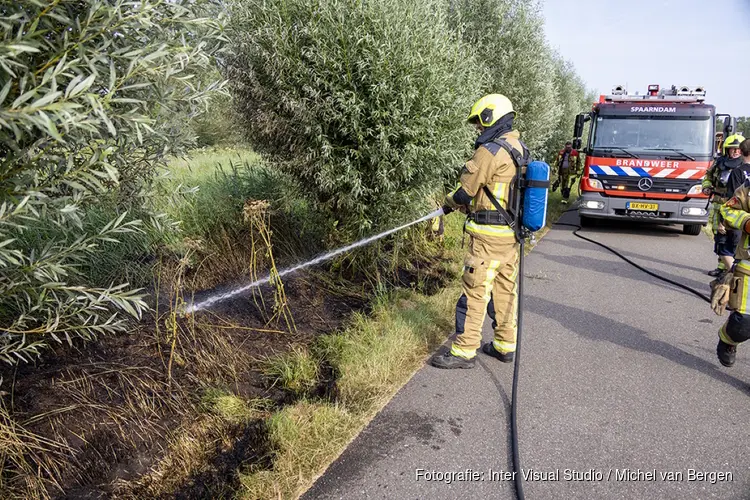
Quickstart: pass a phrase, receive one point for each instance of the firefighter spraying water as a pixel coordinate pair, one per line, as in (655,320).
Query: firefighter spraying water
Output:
(490,193)
(485,194)
(504,195)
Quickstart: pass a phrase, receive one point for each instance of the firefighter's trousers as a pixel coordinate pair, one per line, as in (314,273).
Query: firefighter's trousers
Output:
(567,177)
(737,328)
(713,220)
(490,272)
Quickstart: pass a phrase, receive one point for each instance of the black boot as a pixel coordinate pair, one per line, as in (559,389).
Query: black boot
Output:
(716,272)
(450,361)
(726,353)
(490,350)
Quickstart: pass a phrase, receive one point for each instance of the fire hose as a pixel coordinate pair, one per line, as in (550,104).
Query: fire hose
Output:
(637,266)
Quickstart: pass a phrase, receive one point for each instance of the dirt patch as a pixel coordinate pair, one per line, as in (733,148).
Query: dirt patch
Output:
(240,446)
(113,403)
(427,277)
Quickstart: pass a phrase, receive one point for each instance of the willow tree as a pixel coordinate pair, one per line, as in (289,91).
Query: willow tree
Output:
(92,96)
(362,101)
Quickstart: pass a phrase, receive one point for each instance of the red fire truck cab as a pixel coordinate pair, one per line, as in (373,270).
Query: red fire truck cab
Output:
(646,156)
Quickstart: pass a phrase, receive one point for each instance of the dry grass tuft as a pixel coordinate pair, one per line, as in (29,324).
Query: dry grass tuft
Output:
(232,408)
(29,463)
(256,214)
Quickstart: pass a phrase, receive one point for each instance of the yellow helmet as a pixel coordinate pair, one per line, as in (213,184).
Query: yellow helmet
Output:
(490,109)
(733,141)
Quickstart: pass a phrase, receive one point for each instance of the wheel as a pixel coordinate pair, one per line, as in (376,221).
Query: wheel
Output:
(692,229)
(587,221)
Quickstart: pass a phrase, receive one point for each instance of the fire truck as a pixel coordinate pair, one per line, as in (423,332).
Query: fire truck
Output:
(646,156)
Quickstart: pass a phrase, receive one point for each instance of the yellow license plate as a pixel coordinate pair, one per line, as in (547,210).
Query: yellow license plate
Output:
(653,207)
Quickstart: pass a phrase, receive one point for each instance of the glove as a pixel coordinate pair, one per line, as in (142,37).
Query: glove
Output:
(556,184)
(447,209)
(707,191)
(720,290)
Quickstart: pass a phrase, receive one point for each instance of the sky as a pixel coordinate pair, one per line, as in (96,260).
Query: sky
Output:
(665,42)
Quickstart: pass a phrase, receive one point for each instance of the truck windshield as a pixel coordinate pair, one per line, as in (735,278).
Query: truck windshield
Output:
(646,134)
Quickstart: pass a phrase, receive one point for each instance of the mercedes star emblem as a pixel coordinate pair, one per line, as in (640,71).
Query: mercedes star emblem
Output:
(645,184)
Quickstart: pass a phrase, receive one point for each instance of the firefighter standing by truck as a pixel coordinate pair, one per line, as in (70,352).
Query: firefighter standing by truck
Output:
(491,264)
(567,170)
(733,289)
(715,184)
(741,175)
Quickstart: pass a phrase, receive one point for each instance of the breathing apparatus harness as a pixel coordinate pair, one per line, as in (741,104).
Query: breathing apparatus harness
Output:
(500,216)
(725,168)
(525,214)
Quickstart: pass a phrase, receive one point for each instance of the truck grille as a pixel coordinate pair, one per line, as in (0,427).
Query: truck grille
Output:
(669,186)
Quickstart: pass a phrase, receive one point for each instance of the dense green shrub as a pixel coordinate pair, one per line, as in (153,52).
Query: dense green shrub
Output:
(92,96)
(362,101)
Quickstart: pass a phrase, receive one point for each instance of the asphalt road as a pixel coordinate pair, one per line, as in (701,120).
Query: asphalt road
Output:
(619,382)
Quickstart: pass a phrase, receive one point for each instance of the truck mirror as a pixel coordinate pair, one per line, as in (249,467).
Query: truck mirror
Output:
(578,128)
(730,125)
(577,143)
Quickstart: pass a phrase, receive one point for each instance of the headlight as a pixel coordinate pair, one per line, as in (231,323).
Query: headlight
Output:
(595,184)
(695,211)
(697,189)
(593,204)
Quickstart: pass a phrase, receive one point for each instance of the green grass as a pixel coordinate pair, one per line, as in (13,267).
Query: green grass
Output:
(206,194)
(377,353)
(201,165)
(305,437)
(230,407)
(296,371)
(211,187)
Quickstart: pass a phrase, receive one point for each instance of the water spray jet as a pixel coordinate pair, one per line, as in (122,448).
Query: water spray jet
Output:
(204,304)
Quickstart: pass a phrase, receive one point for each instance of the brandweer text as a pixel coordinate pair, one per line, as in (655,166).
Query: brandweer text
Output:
(647,163)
